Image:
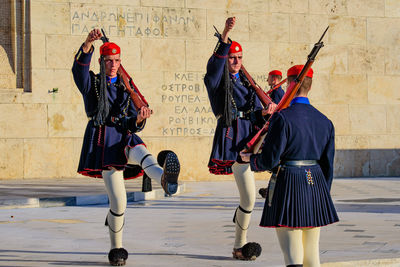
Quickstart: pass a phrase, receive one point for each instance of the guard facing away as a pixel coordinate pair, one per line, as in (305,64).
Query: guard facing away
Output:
(239,113)
(300,144)
(275,93)
(111,150)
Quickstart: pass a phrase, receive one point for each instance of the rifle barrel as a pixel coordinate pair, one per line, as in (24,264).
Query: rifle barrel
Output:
(323,34)
(104,37)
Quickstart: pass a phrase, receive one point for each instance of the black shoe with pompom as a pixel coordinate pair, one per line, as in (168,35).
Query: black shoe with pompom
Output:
(248,252)
(170,163)
(118,256)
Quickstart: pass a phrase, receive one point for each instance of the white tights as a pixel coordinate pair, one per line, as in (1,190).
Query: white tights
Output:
(115,187)
(245,182)
(139,155)
(300,245)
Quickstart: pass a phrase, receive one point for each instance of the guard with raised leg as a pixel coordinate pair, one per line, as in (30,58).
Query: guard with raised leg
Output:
(111,150)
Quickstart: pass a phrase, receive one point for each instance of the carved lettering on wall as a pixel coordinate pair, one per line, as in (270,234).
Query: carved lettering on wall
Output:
(192,114)
(130,21)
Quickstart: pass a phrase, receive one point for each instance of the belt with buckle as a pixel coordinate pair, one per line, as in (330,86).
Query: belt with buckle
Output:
(299,163)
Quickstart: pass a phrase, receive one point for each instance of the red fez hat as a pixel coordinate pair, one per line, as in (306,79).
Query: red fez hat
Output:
(296,69)
(108,49)
(235,48)
(275,72)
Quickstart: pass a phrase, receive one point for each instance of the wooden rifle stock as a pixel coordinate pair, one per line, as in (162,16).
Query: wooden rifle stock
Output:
(255,143)
(138,99)
(264,98)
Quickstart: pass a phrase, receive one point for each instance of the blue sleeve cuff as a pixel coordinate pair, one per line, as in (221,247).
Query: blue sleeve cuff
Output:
(141,127)
(222,49)
(83,58)
(253,163)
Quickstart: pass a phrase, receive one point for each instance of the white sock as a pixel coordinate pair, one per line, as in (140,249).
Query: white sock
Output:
(290,240)
(245,182)
(311,246)
(115,186)
(149,164)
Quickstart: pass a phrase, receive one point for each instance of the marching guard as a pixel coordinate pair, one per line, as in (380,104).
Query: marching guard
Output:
(300,144)
(111,150)
(239,112)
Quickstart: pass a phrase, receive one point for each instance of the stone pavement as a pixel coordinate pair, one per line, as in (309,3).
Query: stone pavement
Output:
(68,192)
(193,228)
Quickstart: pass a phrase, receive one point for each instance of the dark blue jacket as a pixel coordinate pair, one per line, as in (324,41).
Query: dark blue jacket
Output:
(299,132)
(277,94)
(229,141)
(104,146)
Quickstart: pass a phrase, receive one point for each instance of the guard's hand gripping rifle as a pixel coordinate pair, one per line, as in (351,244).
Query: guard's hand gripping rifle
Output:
(264,98)
(137,98)
(255,143)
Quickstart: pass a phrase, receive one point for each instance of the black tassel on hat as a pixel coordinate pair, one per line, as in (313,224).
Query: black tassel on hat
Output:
(102,106)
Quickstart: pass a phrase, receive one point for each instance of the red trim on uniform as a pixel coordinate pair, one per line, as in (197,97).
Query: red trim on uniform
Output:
(220,167)
(82,64)
(298,227)
(86,172)
(227,132)
(223,163)
(216,171)
(220,56)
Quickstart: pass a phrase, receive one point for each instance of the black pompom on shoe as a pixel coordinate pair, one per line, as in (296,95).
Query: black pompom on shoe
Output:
(263,192)
(117,256)
(248,252)
(251,250)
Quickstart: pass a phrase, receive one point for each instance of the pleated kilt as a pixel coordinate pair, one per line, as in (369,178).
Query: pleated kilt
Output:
(227,143)
(104,148)
(301,199)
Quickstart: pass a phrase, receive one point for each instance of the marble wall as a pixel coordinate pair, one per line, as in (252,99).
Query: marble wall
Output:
(165,47)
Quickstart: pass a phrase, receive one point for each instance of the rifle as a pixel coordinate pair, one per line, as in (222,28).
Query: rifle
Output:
(264,98)
(255,143)
(137,98)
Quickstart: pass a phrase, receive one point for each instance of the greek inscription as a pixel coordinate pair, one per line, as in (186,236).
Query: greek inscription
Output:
(192,120)
(263,78)
(186,131)
(180,99)
(125,21)
(192,114)
(179,87)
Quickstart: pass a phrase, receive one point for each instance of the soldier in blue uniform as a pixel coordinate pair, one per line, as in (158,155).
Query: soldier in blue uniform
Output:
(274,77)
(300,144)
(110,146)
(239,112)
